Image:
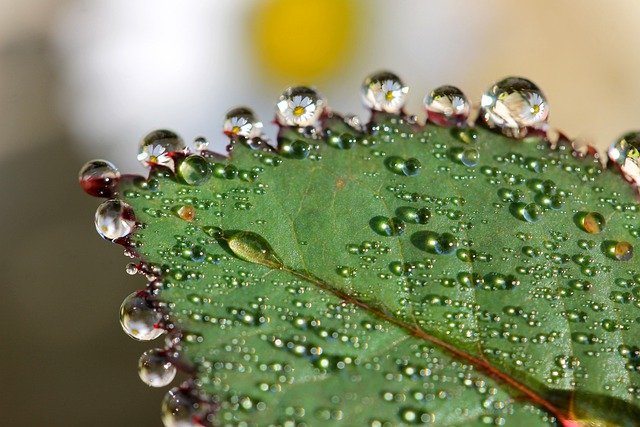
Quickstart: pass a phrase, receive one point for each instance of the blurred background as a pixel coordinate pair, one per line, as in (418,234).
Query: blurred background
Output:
(83,79)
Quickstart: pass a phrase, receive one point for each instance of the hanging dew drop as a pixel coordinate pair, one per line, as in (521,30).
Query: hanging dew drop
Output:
(384,91)
(114,219)
(155,369)
(591,222)
(242,122)
(139,319)
(626,154)
(99,178)
(299,106)
(514,104)
(447,106)
(180,408)
(194,170)
(157,147)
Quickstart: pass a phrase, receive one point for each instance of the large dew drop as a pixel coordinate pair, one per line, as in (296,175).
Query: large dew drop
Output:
(181,409)
(114,219)
(155,369)
(299,106)
(194,170)
(99,178)
(447,106)
(384,91)
(252,247)
(514,104)
(626,154)
(139,319)
(242,122)
(157,147)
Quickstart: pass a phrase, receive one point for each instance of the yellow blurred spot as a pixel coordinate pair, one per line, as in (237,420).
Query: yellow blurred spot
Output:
(298,111)
(389,95)
(235,130)
(301,40)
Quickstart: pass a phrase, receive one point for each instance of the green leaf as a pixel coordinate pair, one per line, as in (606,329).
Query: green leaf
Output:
(420,275)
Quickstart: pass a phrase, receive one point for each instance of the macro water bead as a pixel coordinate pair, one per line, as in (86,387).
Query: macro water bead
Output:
(242,122)
(299,106)
(155,369)
(514,104)
(447,106)
(99,178)
(384,91)
(114,219)
(139,319)
(157,146)
(626,153)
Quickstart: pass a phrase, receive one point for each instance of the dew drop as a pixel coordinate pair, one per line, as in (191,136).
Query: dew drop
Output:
(384,91)
(441,244)
(469,157)
(387,226)
(180,408)
(400,166)
(591,222)
(342,141)
(626,153)
(252,247)
(200,143)
(157,147)
(242,122)
(194,170)
(447,106)
(139,319)
(99,178)
(513,105)
(621,251)
(297,149)
(114,219)
(299,106)
(186,212)
(529,212)
(155,369)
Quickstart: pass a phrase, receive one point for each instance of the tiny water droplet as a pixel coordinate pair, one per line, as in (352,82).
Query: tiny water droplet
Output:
(626,153)
(529,212)
(156,148)
(155,369)
(513,105)
(114,219)
(299,106)
(99,178)
(447,106)
(194,170)
(297,149)
(591,222)
(384,91)
(200,143)
(187,212)
(618,250)
(242,121)
(139,319)
(469,157)
(252,247)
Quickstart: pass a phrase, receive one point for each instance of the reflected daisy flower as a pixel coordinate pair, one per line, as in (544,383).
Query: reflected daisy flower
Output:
(299,107)
(241,121)
(155,155)
(384,91)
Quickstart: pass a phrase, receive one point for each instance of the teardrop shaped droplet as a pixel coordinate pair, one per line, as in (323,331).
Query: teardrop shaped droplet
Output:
(618,250)
(252,247)
(626,154)
(181,408)
(514,104)
(139,319)
(384,91)
(157,147)
(591,222)
(299,106)
(155,369)
(99,178)
(447,106)
(242,122)
(114,219)
(194,170)
(387,226)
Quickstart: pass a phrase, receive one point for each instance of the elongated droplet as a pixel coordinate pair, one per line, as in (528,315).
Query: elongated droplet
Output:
(194,170)
(252,247)
(429,241)
(618,250)
(387,226)
(591,222)
(242,122)
(139,319)
(99,178)
(155,369)
(157,147)
(114,219)
(626,154)
(384,91)
(529,212)
(180,408)
(299,106)
(447,106)
(297,149)
(513,105)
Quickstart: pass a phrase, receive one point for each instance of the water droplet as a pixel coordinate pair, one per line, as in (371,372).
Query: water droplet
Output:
(114,219)
(621,251)
(626,153)
(139,319)
(297,149)
(157,147)
(194,170)
(299,106)
(400,166)
(384,91)
(155,369)
(242,122)
(447,106)
(514,104)
(387,226)
(186,212)
(591,222)
(441,244)
(252,247)
(99,178)
(529,212)
(180,408)
(343,141)
(200,143)
(469,157)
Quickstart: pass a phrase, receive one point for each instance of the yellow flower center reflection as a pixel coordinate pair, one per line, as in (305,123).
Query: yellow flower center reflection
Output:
(328,30)
(298,111)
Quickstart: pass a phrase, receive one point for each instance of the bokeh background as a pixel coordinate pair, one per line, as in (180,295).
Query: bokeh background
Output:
(83,79)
